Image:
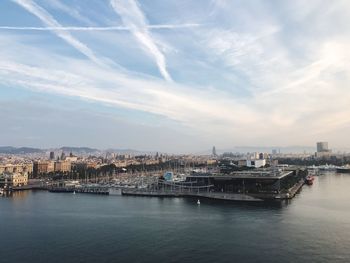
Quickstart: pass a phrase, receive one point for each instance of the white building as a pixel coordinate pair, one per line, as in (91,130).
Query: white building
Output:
(257,163)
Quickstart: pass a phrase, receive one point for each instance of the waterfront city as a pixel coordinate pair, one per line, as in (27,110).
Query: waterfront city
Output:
(227,176)
(174,131)
(104,206)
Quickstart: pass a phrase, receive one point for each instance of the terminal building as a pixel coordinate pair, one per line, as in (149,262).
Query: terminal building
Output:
(260,183)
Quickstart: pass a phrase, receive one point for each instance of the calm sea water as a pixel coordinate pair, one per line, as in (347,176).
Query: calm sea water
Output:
(58,227)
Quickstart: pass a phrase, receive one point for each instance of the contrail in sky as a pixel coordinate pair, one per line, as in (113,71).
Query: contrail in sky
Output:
(107,28)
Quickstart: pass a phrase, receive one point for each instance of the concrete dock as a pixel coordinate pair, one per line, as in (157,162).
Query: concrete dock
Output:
(207,195)
(289,194)
(81,190)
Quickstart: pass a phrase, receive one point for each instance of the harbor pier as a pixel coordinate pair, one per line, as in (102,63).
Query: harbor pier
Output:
(238,186)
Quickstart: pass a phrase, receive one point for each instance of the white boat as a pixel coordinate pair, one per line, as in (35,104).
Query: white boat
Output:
(115,191)
(198,202)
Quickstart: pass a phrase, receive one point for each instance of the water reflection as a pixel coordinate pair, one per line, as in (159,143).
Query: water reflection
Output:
(20,195)
(48,227)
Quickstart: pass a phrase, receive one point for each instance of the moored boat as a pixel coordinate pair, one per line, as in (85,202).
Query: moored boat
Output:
(343,170)
(309,180)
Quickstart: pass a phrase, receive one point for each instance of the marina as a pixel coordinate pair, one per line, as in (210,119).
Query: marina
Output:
(242,186)
(246,186)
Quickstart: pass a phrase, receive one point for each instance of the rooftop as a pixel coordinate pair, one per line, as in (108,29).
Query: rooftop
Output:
(246,174)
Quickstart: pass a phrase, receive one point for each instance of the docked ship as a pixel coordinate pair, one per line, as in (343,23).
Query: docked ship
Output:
(344,169)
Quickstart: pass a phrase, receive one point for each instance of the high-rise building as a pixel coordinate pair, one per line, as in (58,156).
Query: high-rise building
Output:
(52,155)
(322,150)
(214,151)
(322,147)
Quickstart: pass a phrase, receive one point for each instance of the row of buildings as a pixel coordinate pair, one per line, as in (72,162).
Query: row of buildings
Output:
(16,168)
(48,164)
(9,180)
(37,167)
(43,167)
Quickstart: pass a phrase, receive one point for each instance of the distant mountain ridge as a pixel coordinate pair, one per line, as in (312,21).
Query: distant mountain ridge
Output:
(265,149)
(130,151)
(77,149)
(88,150)
(67,149)
(268,149)
(19,150)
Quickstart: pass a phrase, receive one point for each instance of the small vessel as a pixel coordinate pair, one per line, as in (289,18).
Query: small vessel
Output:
(198,202)
(343,170)
(327,167)
(309,180)
(74,193)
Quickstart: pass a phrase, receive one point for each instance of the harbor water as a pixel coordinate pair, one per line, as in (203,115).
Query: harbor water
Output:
(38,226)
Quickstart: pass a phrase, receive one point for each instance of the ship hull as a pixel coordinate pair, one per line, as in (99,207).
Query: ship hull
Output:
(343,170)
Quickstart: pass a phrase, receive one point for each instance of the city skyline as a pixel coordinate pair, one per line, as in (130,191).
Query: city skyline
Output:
(179,76)
(240,149)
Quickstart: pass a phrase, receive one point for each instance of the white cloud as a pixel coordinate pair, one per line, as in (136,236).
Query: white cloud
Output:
(194,109)
(59,5)
(134,19)
(48,20)
(297,80)
(95,28)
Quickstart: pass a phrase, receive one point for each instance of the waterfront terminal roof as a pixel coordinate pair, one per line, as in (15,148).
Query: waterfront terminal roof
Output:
(245,175)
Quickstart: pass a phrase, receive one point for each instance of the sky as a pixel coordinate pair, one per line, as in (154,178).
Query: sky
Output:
(176,75)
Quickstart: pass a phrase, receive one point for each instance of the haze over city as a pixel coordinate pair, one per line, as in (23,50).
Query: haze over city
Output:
(176,76)
(174,131)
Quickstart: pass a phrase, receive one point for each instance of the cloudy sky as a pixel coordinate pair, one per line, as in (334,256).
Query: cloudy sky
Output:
(176,76)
